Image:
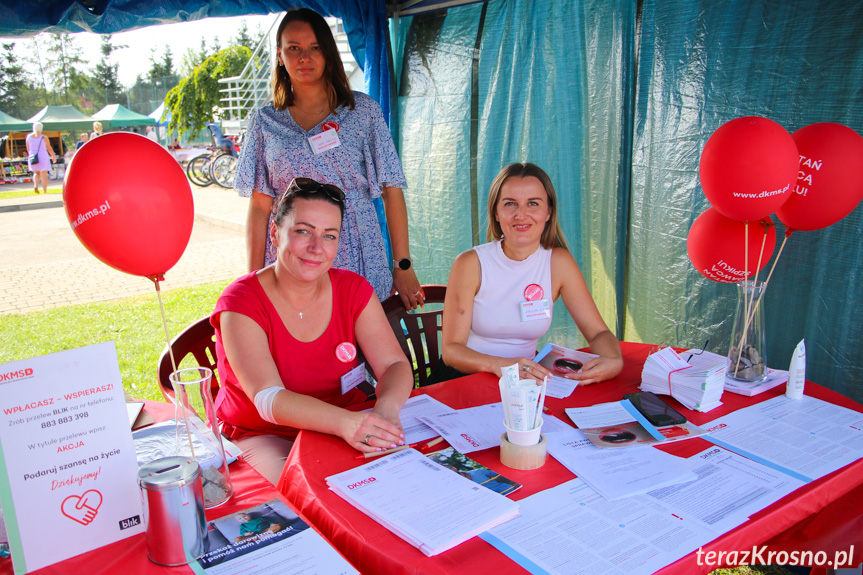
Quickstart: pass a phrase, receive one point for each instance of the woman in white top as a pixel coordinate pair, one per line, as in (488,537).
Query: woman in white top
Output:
(39,145)
(500,295)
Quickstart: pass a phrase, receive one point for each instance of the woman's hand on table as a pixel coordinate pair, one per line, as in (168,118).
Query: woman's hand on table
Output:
(372,431)
(598,369)
(527,369)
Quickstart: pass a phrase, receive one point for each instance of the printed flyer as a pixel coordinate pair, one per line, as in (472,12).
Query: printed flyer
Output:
(68,476)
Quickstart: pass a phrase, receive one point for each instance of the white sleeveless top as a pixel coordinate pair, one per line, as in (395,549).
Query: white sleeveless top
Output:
(496,328)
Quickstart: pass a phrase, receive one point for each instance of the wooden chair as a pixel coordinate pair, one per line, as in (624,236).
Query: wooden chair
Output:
(418,332)
(197,340)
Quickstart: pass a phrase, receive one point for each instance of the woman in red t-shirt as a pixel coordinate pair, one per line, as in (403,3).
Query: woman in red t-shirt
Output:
(287,339)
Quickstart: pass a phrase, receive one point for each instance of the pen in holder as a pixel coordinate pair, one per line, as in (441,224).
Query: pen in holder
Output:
(522,446)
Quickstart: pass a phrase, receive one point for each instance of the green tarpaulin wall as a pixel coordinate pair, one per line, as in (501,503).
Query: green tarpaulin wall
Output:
(615,100)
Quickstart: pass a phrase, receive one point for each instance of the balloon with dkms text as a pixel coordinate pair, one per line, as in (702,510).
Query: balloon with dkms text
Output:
(748,168)
(830,178)
(716,246)
(129,202)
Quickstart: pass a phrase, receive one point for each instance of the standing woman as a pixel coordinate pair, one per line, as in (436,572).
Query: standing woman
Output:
(40,146)
(317,127)
(97,130)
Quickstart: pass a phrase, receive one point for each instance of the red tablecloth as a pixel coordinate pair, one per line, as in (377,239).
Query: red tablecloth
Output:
(129,556)
(823,515)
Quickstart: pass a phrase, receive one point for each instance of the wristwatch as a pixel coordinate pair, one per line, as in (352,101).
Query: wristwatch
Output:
(403,264)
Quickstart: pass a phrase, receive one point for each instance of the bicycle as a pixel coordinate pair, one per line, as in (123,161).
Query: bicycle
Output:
(219,165)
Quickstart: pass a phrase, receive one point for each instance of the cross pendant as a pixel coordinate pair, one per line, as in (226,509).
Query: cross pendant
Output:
(301,315)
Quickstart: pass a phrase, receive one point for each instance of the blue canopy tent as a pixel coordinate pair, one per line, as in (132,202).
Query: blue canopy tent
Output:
(615,99)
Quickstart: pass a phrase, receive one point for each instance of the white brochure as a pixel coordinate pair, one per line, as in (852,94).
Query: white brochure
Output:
(806,438)
(267,539)
(416,430)
(573,529)
(480,427)
(68,476)
(429,506)
(617,473)
(728,490)
(561,361)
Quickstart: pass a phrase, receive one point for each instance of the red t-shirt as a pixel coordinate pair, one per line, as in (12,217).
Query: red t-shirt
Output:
(310,368)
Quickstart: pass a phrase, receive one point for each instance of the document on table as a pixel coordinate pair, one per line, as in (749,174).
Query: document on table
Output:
(553,357)
(807,438)
(617,473)
(429,506)
(267,539)
(480,427)
(573,529)
(728,490)
(416,430)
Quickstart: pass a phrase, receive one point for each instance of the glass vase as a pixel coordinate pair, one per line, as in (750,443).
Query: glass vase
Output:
(198,433)
(747,360)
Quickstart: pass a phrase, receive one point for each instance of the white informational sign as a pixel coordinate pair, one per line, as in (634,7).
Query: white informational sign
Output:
(68,475)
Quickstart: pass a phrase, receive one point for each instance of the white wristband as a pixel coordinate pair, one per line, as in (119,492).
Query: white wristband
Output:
(264,402)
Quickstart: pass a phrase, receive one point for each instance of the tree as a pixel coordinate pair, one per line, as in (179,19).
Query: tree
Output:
(66,64)
(106,83)
(161,71)
(13,81)
(244,39)
(195,101)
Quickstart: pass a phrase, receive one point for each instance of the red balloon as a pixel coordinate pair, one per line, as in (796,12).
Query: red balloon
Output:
(748,168)
(716,246)
(129,202)
(830,179)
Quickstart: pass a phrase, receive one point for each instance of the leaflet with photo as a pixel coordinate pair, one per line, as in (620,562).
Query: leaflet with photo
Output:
(561,361)
(267,539)
(616,424)
(474,470)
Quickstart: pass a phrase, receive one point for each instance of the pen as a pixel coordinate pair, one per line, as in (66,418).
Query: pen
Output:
(371,454)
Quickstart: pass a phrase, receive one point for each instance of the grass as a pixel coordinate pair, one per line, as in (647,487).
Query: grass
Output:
(27,193)
(753,570)
(134,324)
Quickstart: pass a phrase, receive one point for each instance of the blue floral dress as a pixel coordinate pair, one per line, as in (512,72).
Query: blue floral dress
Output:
(276,150)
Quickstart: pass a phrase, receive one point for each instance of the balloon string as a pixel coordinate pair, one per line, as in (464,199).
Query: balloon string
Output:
(179,407)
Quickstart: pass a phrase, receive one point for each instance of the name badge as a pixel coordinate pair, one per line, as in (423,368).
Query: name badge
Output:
(324,141)
(535,310)
(353,378)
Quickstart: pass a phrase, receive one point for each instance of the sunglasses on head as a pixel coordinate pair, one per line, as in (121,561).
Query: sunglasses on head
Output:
(311,186)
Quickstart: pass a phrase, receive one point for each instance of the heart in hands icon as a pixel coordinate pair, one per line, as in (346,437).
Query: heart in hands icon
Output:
(83,508)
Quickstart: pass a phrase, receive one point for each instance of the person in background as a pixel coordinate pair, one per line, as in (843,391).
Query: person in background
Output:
(39,146)
(492,314)
(317,127)
(151,133)
(84,138)
(97,129)
(288,339)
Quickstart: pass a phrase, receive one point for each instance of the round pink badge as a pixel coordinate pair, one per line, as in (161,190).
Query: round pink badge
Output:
(346,351)
(533,292)
(329,126)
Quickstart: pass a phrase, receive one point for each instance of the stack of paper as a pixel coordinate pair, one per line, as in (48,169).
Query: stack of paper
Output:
(697,385)
(427,505)
(772,378)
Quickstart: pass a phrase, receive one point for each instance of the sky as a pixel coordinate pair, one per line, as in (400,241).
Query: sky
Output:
(135,60)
